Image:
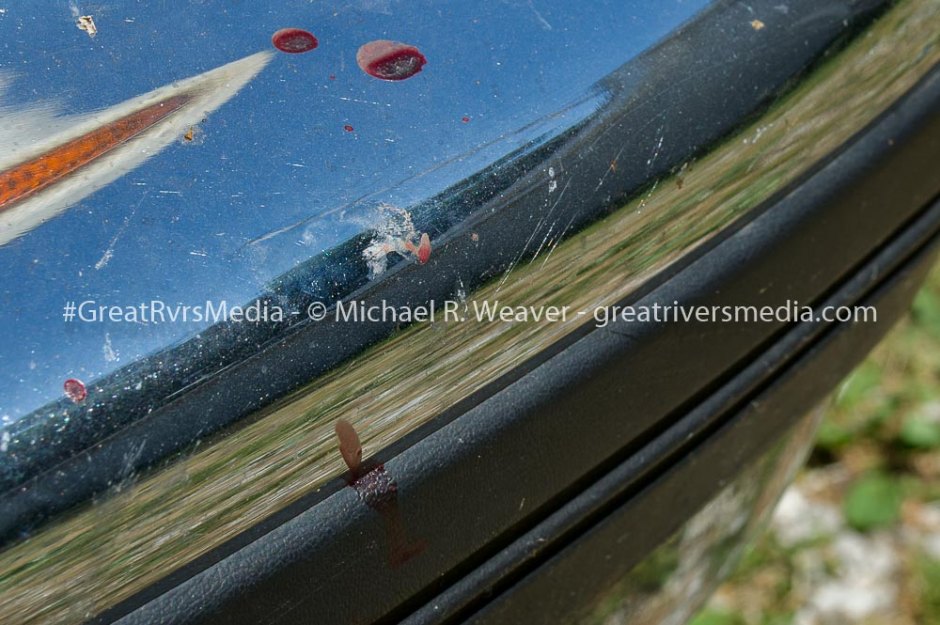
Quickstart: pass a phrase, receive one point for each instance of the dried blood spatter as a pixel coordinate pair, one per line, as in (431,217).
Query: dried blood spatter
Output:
(75,390)
(294,40)
(465,119)
(424,248)
(390,60)
(422,251)
(348,128)
(378,490)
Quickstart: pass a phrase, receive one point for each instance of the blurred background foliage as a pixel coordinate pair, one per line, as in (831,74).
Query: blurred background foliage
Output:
(857,538)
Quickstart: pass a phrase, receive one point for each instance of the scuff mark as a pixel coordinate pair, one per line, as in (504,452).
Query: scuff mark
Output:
(109,252)
(612,168)
(539,17)
(535,231)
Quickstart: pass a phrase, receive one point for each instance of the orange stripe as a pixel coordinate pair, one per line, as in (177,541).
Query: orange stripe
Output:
(25,179)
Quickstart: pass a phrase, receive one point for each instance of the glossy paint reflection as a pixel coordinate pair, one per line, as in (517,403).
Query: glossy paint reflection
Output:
(147,523)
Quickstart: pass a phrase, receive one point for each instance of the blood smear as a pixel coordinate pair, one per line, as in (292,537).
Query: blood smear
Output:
(294,40)
(390,60)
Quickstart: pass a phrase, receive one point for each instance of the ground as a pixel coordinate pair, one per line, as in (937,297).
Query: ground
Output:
(856,539)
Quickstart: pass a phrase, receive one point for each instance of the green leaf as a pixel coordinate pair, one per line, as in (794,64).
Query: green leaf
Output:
(832,436)
(715,617)
(873,501)
(920,433)
(926,311)
(866,377)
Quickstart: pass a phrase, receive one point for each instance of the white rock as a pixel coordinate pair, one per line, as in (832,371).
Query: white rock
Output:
(799,519)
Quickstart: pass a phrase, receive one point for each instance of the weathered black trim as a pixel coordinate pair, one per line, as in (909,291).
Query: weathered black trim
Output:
(605,400)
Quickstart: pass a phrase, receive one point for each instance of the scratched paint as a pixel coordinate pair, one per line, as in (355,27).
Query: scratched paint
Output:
(378,490)
(294,40)
(390,60)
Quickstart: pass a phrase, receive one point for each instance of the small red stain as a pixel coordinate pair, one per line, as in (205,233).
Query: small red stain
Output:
(348,128)
(294,40)
(465,119)
(332,77)
(390,60)
(424,248)
(75,390)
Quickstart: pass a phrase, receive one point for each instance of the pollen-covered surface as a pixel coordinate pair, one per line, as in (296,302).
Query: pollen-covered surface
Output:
(23,180)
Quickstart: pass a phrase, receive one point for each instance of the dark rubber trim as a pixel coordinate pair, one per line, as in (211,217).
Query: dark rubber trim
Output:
(475,484)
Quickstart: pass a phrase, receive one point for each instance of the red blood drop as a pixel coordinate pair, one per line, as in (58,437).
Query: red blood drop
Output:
(424,248)
(294,40)
(348,128)
(75,390)
(465,119)
(390,60)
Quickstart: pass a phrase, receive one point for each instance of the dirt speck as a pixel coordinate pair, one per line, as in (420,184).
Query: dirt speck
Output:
(87,24)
